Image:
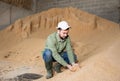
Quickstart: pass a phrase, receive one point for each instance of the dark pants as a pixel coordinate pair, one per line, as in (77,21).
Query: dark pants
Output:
(47,56)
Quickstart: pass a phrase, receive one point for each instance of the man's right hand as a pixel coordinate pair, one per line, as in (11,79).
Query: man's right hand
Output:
(73,68)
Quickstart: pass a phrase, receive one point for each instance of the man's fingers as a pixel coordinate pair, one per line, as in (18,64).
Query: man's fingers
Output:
(75,67)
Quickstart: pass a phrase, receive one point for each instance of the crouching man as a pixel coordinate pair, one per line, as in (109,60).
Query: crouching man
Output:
(58,49)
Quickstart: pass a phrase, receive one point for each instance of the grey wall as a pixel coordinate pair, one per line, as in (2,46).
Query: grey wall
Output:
(9,13)
(109,9)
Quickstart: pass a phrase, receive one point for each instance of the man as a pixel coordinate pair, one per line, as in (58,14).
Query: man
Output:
(58,49)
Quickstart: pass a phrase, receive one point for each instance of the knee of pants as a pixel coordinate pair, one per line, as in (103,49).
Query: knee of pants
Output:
(47,55)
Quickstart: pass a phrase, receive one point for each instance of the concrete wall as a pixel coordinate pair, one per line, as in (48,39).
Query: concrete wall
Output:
(8,14)
(109,9)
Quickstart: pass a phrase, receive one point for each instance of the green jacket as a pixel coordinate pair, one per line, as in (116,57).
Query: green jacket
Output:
(57,45)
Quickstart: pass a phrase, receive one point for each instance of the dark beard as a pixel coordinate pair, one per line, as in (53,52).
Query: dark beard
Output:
(64,38)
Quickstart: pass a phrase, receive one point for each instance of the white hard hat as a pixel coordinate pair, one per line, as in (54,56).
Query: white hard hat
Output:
(63,25)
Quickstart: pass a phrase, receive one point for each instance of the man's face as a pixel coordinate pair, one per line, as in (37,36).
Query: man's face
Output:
(63,33)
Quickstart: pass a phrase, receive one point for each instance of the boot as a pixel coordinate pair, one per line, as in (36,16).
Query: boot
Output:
(49,74)
(49,70)
(57,67)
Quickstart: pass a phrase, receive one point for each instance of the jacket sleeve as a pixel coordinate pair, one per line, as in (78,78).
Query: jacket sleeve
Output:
(70,51)
(51,44)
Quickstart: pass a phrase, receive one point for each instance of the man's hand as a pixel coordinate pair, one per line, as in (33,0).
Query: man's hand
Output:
(69,67)
(73,67)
